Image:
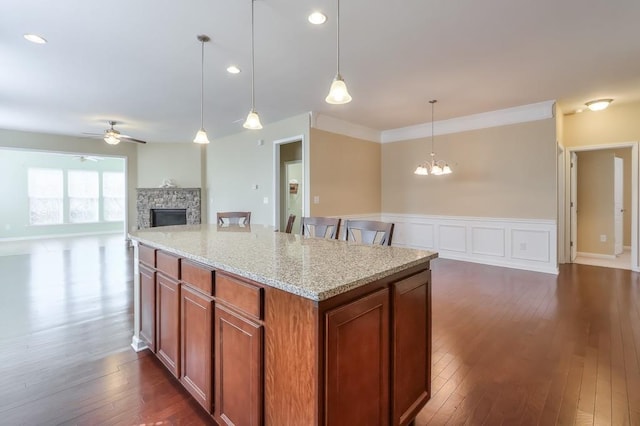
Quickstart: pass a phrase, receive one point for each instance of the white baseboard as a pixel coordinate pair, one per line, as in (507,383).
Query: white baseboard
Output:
(45,237)
(138,344)
(596,255)
(529,244)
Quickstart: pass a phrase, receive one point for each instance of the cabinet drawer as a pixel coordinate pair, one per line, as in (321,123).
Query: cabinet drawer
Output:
(147,255)
(168,264)
(198,277)
(243,296)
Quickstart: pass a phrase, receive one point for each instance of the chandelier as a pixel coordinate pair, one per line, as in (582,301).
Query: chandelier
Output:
(433,166)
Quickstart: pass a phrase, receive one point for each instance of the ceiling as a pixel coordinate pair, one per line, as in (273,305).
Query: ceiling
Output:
(138,62)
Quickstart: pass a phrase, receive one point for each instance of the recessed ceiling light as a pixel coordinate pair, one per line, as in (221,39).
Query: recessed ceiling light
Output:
(35,38)
(598,104)
(232,69)
(579,110)
(317,18)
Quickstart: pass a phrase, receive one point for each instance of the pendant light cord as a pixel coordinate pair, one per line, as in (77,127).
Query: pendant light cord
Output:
(338,39)
(432,102)
(253,60)
(202,87)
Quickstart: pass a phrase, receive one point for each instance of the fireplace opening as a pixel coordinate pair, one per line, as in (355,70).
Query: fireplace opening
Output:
(166,217)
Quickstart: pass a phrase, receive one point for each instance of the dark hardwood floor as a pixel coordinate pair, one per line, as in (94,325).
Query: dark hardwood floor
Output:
(510,347)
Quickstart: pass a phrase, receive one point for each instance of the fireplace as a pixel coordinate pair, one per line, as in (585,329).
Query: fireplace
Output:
(166,217)
(165,200)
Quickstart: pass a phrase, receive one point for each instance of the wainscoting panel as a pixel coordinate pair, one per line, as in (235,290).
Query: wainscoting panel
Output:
(514,243)
(452,237)
(488,241)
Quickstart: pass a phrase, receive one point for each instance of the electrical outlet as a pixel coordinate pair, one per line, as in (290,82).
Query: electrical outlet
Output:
(603,238)
(316,199)
(523,246)
(255,186)
(265,200)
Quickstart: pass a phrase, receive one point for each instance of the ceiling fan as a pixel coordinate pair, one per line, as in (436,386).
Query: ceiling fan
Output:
(113,137)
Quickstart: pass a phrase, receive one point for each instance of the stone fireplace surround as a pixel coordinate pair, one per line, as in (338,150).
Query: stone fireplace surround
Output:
(167,198)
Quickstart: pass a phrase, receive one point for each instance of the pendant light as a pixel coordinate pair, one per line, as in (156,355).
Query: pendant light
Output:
(201,136)
(338,93)
(253,119)
(433,166)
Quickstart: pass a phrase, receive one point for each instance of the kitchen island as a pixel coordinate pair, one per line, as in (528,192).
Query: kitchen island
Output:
(268,328)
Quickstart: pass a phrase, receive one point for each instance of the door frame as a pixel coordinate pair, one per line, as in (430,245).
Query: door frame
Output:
(635,264)
(277,178)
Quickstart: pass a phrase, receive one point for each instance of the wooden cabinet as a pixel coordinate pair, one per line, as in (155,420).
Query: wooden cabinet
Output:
(252,354)
(411,347)
(196,322)
(148,306)
(168,322)
(238,369)
(357,362)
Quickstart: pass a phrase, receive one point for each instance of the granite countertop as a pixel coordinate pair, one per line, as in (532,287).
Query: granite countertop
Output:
(313,268)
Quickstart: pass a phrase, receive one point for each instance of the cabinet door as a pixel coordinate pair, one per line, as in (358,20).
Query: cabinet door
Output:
(196,323)
(412,349)
(148,306)
(168,322)
(357,362)
(238,369)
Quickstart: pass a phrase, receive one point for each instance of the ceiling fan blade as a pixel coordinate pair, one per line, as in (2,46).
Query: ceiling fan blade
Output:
(93,134)
(129,138)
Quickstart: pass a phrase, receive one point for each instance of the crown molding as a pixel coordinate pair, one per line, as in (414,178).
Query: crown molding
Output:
(335,125)
(520,114)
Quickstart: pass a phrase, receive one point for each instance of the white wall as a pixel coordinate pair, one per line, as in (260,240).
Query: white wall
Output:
(180,162)
(236,163)
(79,145)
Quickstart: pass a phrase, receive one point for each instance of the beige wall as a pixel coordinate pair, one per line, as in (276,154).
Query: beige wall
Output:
(595,199)
(345,174)
(618,123)
(180,162)
(502,172)
(235,163)
(77,145)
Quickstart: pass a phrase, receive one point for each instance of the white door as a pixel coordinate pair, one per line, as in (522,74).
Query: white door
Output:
(618,203)
(573,199)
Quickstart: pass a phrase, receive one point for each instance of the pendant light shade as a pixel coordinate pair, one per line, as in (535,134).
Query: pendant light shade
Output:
(201,136)
(433,166)
(253,119)
(338,93)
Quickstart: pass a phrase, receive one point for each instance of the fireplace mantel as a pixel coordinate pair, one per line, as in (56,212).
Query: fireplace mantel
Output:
(167,198)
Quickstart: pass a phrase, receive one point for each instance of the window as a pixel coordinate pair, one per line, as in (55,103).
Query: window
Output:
(45,196)
(84,191)
(113,196)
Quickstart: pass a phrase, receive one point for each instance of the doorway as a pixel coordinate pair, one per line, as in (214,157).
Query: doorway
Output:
(290,182)
(602,208)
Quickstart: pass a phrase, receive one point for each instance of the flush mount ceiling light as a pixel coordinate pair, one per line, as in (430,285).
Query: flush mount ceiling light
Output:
(232,69)
(433,166)
(201,136)
(317,18)
(338,93)
(253,119)
(598,104)
(35,38)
